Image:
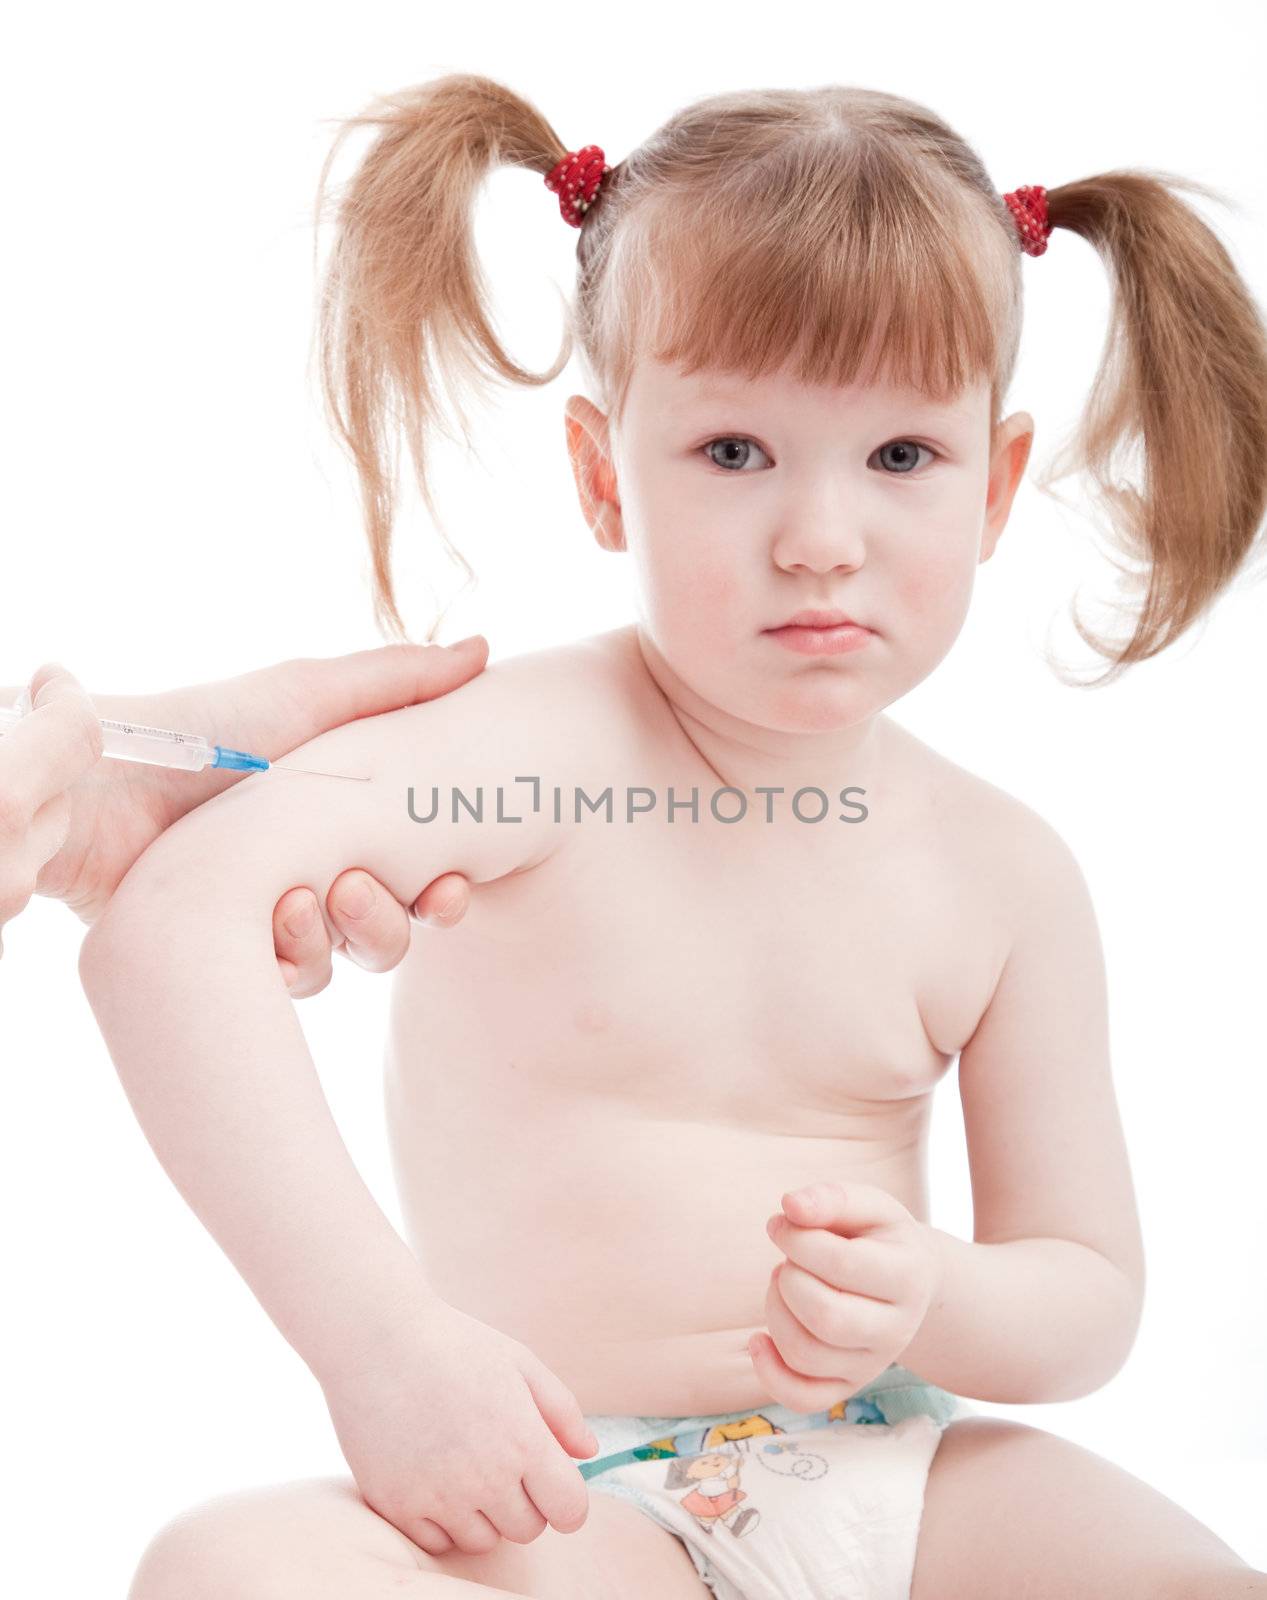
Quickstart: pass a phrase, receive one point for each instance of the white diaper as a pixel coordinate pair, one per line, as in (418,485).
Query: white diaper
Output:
(775,1504)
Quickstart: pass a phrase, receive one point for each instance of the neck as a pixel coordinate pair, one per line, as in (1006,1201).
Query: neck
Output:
(745,755)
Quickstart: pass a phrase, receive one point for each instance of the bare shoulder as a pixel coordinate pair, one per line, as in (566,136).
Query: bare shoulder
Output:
(1027,858)
(590,683)
(574,708)
(1003,877)
(1022,871)
(585,701)
(528,711)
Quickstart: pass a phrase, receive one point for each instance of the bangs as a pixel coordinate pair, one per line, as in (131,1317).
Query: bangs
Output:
(836,264)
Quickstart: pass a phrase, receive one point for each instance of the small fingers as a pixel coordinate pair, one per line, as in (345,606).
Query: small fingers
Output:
(819,1330)
(301,942)
(372,921)
(799,1370)
(789,1387)
(557,1490)
(799,1347)
(471,1532)
(865,1266)
(428,1536)
(515,1516)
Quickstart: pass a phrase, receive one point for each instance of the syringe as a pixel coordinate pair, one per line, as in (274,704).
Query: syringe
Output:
(161,747)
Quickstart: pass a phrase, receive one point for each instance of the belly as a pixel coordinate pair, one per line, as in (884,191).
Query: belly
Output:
(593,1115)
(627,1249)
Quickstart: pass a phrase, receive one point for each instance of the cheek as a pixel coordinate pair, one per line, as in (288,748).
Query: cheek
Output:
(698,581)
(934,589)
(712,578)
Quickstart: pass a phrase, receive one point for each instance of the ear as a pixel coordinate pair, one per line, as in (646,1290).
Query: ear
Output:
(1013,439)
(589,446)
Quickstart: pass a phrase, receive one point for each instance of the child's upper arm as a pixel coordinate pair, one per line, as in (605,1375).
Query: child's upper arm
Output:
(1046,1149)
(181,976)
(243,849)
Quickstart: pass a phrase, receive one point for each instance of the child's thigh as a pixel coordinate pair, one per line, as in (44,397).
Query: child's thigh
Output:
(1010,1510)
(318,1538)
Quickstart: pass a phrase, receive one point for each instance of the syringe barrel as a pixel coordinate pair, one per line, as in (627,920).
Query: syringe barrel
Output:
(157,747)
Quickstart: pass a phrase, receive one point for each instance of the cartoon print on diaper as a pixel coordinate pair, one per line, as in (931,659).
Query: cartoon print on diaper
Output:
(708,1462)
(715,1494)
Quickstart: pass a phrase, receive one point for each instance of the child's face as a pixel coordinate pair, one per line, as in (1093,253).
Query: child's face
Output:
(744,503)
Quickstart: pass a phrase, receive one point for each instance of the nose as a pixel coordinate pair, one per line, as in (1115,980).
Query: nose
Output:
(822,534)
(819,546)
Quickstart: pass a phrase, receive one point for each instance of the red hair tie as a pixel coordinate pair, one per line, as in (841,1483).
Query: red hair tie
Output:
(1028,206)
(575,180)
(577,177)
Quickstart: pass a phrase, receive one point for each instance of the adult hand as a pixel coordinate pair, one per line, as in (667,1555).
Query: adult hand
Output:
(48,752)
(373,923)
(72,824)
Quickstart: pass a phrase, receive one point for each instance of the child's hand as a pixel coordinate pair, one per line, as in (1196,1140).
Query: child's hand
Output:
(860,1274)
(458,1435)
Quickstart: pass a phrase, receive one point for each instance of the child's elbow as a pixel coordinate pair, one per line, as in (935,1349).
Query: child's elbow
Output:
(111,951)
(91,956)
(143,926)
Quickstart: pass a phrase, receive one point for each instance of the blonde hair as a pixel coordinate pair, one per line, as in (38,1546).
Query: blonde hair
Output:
(819,229)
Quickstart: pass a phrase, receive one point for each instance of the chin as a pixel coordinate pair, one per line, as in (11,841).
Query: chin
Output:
(821,708)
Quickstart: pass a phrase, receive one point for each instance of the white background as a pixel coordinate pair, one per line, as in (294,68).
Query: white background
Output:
(174,510)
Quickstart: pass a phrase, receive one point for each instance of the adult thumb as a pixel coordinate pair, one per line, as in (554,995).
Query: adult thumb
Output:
(369,681)
(313,694)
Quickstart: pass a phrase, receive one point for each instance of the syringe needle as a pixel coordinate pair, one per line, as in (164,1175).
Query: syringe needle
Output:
(351,777)
(163,747)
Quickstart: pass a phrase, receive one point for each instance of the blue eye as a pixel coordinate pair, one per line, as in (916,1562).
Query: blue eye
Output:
(733,440)
(907,445)
(746,445)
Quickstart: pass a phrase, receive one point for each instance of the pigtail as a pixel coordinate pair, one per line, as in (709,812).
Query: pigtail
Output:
(404,303)
(806,207)
(1182,379)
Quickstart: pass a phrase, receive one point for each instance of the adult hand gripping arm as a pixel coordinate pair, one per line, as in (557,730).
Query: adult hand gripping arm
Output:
(72,823)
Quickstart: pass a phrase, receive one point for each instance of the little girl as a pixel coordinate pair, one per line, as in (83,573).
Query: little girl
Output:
(730,924)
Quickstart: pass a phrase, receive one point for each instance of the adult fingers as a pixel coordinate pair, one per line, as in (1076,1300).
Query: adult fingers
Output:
(49,826)
(444,902)
(301,942)
(374,924)
(275,709)
(367,682)
(22,856)
(53,746)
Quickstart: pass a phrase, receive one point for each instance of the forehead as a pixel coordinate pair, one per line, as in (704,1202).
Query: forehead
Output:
(670,388)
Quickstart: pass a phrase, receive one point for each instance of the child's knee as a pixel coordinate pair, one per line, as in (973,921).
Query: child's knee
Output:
(259,1544)
(202,1551)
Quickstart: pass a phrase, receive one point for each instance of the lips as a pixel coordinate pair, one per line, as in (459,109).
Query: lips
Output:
(820,619)
(813,638)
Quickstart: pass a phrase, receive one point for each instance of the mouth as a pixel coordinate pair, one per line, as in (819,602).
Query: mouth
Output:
(819,619)
(821,633)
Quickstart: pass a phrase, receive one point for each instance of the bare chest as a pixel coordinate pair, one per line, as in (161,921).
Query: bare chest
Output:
(600,1082)
(778,974)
